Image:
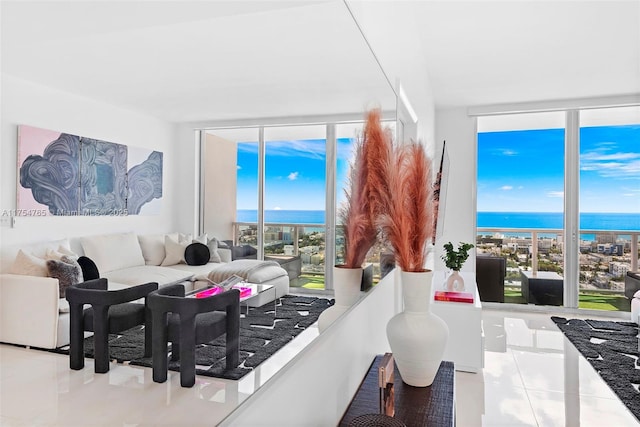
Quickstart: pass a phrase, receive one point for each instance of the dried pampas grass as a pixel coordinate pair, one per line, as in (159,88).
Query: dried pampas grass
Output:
(408,218)
(359,228)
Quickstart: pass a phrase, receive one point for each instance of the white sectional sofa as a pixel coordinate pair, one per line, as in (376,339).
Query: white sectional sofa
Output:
(32,314)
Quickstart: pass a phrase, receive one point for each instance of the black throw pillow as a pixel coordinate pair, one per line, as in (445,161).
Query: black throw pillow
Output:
(197,254)
(89,268)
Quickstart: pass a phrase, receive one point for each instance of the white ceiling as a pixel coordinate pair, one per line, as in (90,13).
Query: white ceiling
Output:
(488,52)
(221,60)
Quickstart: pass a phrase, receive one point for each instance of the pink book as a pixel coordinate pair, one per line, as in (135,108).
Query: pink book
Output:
(244,291)
(453,296)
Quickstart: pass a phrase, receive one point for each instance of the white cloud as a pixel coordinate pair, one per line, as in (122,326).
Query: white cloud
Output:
(611,164)
(506,188)
(277,208)
(507,152)
(555,194)
(292,176)
(238,167)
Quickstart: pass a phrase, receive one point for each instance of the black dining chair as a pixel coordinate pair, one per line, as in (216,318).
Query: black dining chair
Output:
(188,321)
(110,312)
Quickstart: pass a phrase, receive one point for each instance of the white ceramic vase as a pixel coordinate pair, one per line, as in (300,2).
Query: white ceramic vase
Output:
(455,282)
(417,336)
(346,288)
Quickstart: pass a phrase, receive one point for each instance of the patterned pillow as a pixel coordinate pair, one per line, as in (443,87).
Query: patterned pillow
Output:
(67,271)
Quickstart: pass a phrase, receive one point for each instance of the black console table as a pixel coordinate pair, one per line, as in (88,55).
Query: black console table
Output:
(431,406)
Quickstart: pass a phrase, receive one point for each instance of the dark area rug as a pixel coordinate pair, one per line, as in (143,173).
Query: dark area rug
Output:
(612,349)
(261,335)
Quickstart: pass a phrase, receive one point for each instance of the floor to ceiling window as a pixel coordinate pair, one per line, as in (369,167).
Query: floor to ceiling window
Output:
(520,200)
(280,173)
(294,200)
(523,186)
(609,203)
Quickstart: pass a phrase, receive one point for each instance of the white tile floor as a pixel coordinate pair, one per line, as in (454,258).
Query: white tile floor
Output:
(532,377)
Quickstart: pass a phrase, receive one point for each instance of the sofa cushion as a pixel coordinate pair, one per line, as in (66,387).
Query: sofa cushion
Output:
(147,273)
(67,271)
(40,249)
(113,251)
(198,270)
(63,305)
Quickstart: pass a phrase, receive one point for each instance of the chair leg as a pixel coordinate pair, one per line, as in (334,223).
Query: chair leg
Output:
(175,349)
(76,337)
(101,338)
(148,335)
(233,337)
(159,347)
(187,351)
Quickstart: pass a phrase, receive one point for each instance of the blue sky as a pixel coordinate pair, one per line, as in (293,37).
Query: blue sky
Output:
(522,171)
(294,173)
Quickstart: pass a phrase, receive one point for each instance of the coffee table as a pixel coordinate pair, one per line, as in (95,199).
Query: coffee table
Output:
(255,290)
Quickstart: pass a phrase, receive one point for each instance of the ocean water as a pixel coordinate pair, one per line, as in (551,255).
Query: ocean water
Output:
(588,221)
(282,216)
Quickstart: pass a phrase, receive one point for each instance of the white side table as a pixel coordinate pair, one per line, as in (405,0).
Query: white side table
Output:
(466,339)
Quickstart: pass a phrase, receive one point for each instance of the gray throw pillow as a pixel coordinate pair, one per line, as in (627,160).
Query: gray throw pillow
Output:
(67,271)
(213,250)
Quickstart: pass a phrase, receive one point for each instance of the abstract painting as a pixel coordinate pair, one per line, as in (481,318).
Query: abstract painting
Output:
(67,174)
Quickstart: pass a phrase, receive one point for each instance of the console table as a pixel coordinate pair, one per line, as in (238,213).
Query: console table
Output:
(431,406)
(465,346)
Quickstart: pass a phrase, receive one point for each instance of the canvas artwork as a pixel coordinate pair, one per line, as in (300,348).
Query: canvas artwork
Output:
(64,174)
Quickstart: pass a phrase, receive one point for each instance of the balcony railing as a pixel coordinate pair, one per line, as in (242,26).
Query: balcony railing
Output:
(304,240)
(605,256)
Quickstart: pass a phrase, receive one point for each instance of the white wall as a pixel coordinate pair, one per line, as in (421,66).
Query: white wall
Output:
(186,180)
(459,131)
(26,103)
(394,42)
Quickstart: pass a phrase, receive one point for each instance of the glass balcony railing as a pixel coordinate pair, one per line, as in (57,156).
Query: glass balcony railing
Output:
(605,257)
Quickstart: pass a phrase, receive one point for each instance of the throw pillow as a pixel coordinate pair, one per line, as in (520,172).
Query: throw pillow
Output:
(152,246)
(174,251)
(197,254)
(203,238)
(213,250)
(89,268)
(185,238)
(65,251)
(67,271)
(28,264)
(53,254)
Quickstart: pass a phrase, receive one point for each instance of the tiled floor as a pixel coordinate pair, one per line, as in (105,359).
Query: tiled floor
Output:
(533,377)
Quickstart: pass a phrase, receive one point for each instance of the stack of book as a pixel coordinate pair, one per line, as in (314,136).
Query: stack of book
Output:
(454,296)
